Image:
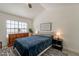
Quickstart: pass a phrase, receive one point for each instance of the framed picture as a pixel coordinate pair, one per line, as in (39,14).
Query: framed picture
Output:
(45,26)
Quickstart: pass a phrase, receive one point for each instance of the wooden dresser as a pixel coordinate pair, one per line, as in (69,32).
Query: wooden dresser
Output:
(13,37)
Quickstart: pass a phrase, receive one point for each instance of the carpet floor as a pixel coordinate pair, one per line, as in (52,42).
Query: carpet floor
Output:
(50,52)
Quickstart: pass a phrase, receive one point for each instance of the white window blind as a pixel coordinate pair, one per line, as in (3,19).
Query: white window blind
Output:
(15,27)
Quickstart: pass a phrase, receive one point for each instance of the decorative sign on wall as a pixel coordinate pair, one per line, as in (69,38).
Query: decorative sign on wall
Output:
(45,26)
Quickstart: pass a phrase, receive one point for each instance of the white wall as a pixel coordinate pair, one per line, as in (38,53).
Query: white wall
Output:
(66,18)
(3,18)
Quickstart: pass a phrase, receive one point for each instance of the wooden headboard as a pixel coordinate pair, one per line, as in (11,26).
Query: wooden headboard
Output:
(13,37)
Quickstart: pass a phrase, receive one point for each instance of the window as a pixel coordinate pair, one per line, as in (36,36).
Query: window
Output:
(15,27)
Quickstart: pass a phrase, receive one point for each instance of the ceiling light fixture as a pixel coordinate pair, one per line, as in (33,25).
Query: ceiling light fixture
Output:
(29,5)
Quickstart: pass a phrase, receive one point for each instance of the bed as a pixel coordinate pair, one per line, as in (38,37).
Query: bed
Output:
(32,46)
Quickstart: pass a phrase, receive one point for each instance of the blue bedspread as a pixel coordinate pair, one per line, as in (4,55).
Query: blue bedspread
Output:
(32,46)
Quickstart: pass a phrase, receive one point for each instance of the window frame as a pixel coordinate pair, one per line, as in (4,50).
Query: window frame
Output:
(16,28)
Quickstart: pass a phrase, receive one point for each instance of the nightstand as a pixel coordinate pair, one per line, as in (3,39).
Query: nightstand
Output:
(57,44)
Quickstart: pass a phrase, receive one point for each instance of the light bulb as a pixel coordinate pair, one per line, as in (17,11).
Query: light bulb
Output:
(58,33)
(36,32)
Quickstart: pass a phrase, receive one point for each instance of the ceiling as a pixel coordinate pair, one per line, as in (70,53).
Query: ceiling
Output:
(22,9)
(57,5)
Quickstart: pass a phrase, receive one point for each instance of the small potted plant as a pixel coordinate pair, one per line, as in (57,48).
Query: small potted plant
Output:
(30,32)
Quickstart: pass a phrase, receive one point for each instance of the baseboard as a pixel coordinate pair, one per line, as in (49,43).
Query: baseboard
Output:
(71,50)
